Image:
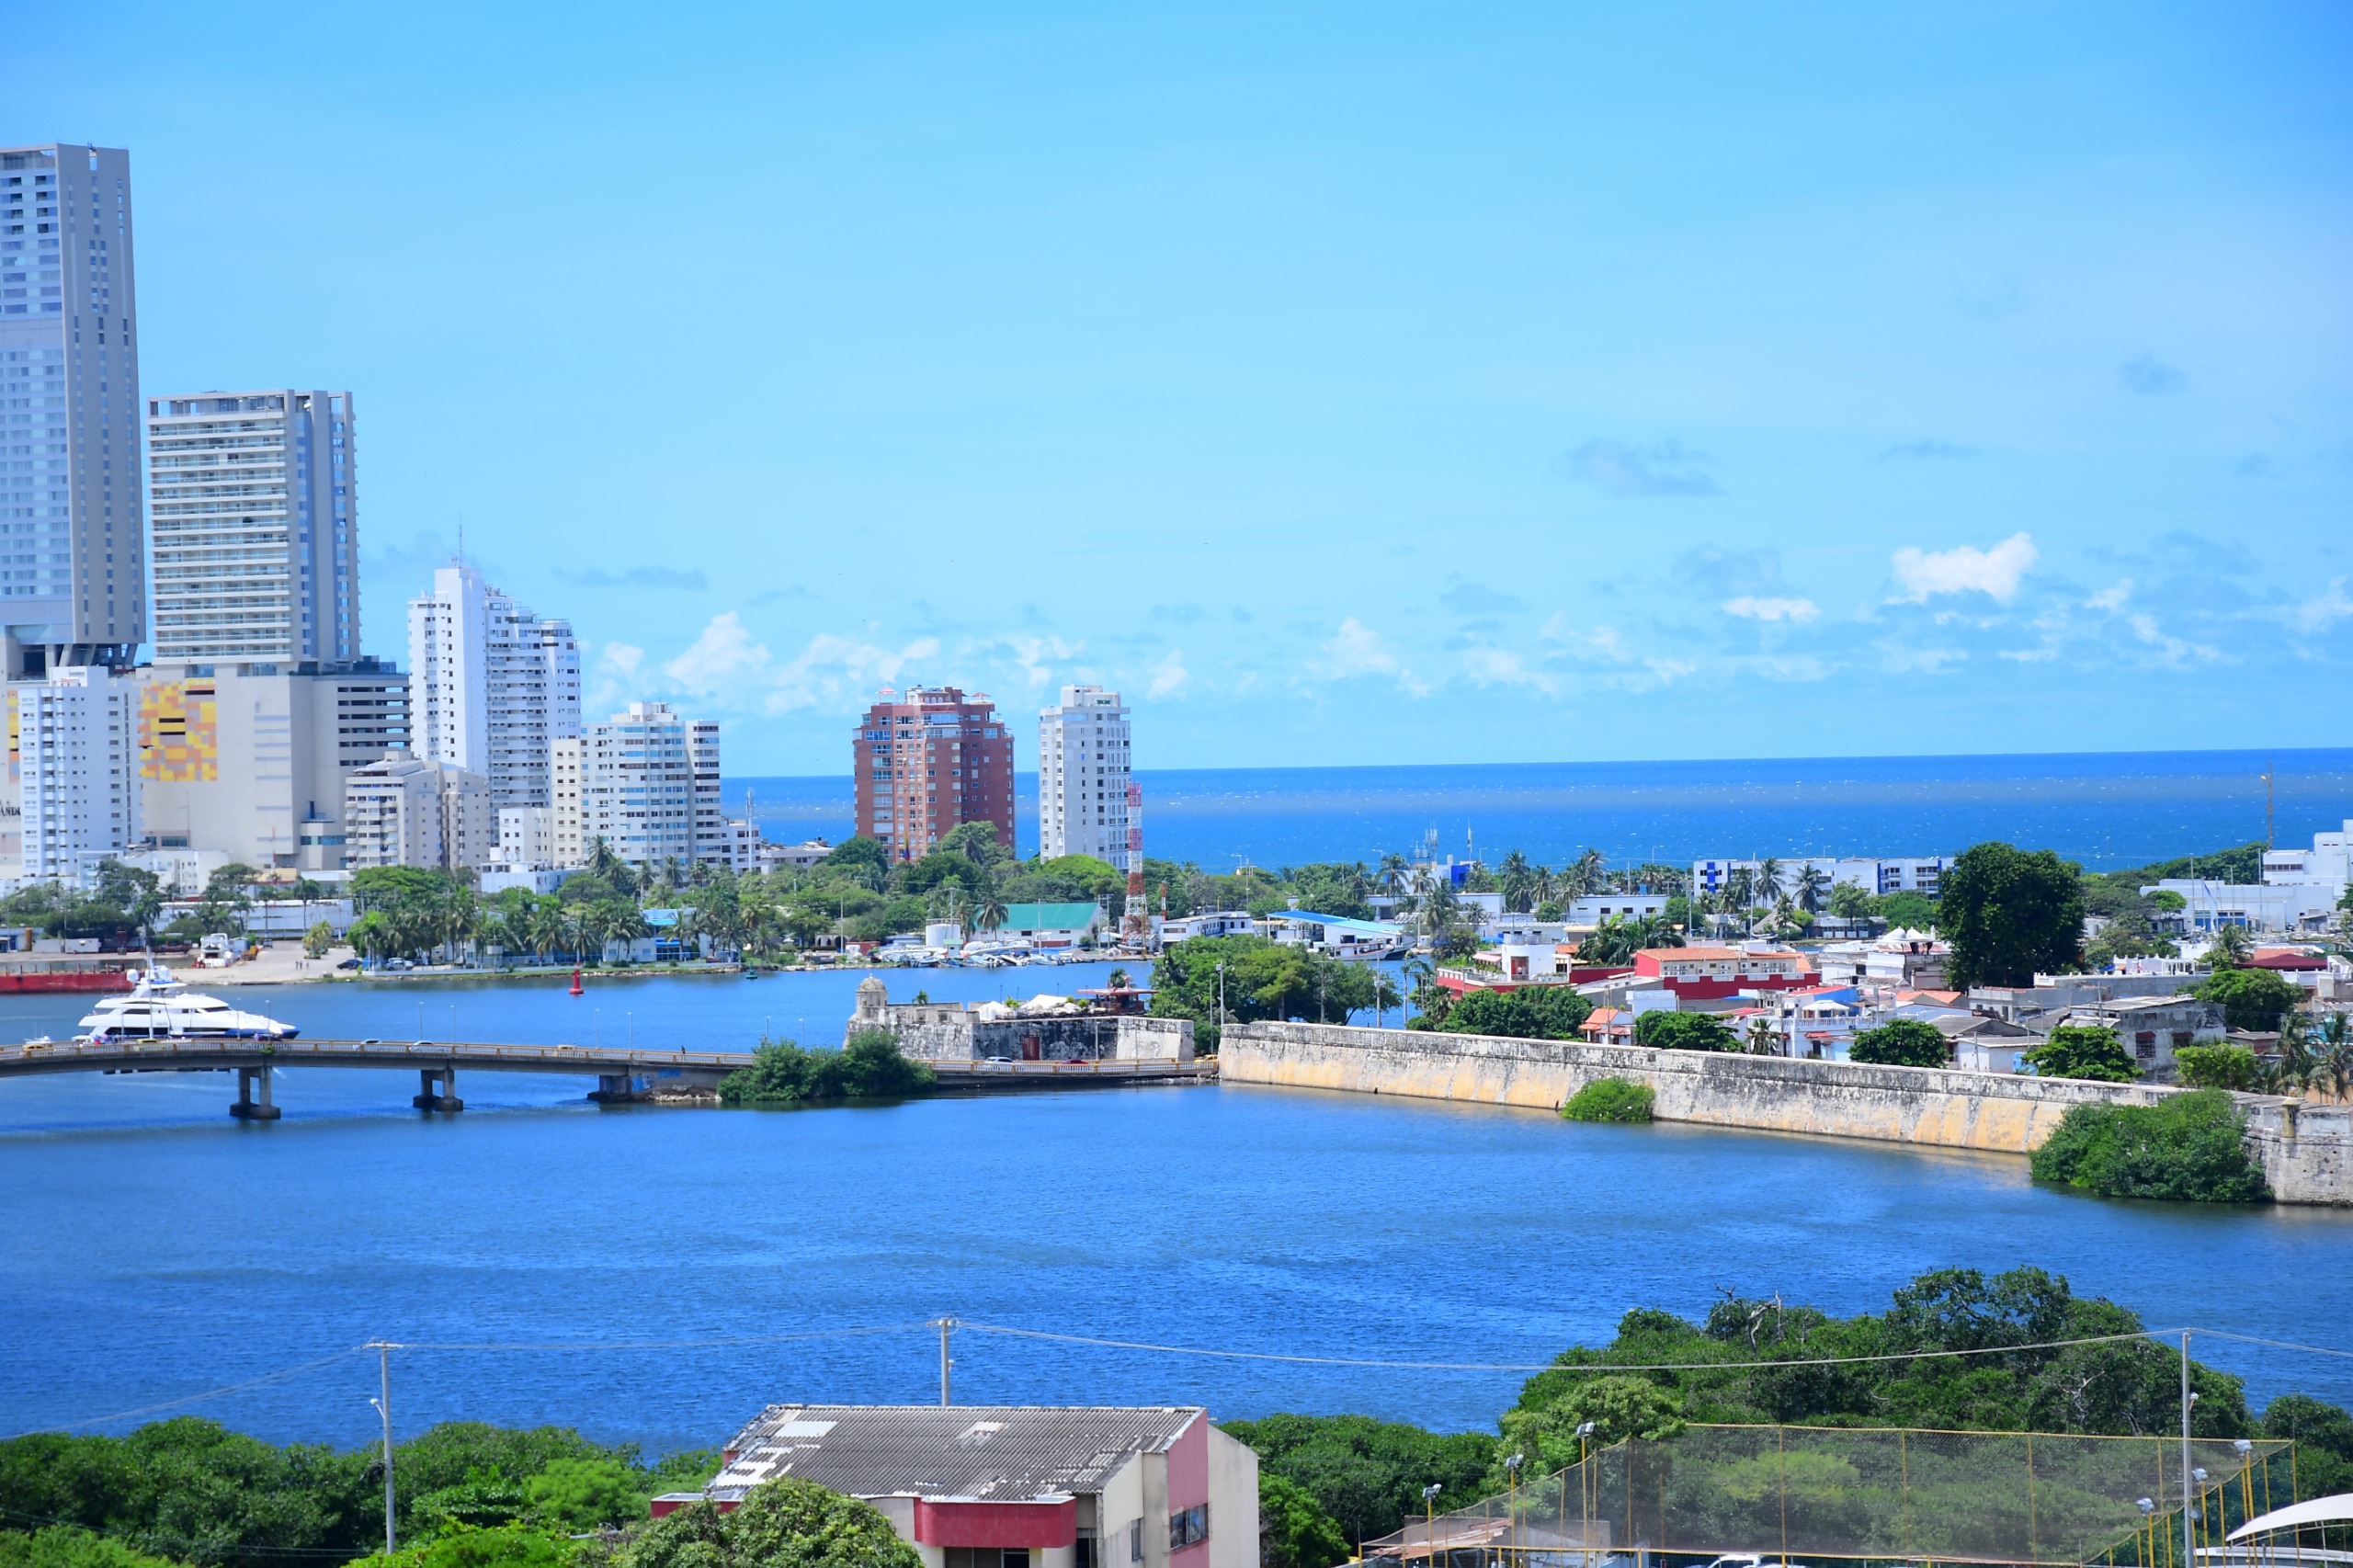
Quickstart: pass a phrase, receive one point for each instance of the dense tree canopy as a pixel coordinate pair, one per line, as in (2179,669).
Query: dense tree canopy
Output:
(1902,1043)
(2250,998)
(2010,914)
(1263,980)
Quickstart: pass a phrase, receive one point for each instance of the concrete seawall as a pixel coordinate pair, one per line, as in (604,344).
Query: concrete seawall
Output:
(2304,1150)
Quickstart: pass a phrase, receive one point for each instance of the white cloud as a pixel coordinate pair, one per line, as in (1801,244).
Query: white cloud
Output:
(1756,609)
(621,659)
(831,669)
(1357,649)
(1901,658)
(1170,675)
(1032,653)
(724,656)
(1501,666)
(2320,613)
(2174,650)
(2113,599)
(1966,569)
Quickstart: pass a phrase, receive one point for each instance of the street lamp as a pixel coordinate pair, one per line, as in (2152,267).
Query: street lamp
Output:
(1430,1512)
(1511,1469)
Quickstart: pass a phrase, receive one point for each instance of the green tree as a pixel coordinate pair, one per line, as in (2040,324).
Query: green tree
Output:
(318,940)
(1902,1043)
(576,1494)
(1534,1012)
(1368,1474)
(1293,1530)
(511,1545)
(785,1523)
(1907,911)
(2216,1066)
(2231,947)
(2254,999)
(2189,1148)
(1618,1407)
(2082,1051)
(869,1066)
(1668,1030)
(2009,916)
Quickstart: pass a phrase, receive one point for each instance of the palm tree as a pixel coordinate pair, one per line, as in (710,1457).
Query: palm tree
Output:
(1519,882)
(1763,1038)
(2333,1056)
(2231,947)
(1392,874)
(1813,887)
(991,914)
(1770,883)
(1585,876)
(544,929)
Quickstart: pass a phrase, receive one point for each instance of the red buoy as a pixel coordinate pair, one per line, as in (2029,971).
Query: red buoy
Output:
(575,981)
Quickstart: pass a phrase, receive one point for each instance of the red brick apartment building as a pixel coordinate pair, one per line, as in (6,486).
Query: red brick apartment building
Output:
(928,761)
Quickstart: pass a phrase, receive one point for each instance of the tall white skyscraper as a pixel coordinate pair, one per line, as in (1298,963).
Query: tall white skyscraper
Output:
(1083,776)
(73,571)
(491,686)
(255,504)
(78,739)
(649,788)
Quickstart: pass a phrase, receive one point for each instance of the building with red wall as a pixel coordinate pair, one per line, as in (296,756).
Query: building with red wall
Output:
(928,761)
(1016,1486)
(1701,974)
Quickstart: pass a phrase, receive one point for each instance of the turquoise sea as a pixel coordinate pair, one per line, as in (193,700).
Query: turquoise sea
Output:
(2105,810)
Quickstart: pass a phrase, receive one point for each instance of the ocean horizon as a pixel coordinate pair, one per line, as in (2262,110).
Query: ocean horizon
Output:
(2106,810)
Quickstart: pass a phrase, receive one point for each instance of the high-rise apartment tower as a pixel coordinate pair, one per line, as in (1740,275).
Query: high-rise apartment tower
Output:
(491,687)
(72,566)
(649,788)
(1083,776)
(927,763)
(255,503)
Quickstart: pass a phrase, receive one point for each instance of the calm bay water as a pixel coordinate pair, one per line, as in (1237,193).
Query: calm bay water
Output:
(156,1249)
(2106,810)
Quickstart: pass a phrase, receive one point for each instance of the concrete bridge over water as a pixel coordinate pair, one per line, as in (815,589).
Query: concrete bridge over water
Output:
(624,1074)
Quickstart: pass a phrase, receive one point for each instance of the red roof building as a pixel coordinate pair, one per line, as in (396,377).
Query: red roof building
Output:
(1707,974)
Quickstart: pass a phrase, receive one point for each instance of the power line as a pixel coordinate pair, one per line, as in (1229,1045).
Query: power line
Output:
(1551,1366)
(279,1376)
(657,1343)
(2275,1343)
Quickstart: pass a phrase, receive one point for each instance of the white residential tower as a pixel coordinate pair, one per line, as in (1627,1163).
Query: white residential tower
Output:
(1083,776)
(255,503)
(491,687)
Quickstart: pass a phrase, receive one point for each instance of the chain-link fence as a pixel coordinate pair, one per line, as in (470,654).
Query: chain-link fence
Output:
(1887,1494)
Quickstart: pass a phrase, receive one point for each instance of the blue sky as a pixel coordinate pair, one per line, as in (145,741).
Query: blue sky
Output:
(1346,383)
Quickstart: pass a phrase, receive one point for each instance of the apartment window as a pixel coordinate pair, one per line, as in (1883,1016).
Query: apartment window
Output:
(1135,1541)
(1188,1528)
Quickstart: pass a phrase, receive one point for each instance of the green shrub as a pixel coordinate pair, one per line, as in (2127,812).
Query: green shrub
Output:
(68,1546)
(1610,1099)
(1293,1530)
(2189,1148)
(2216,1066)
(1535,1012)
(1902,1043)
(1683,1031)
(2081,1051)
(780,1524)
(868,1067)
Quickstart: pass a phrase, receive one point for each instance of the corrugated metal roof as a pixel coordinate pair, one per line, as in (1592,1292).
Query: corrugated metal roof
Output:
(1007,1453)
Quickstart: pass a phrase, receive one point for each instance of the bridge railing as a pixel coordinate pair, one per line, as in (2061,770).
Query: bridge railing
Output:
(391,1052)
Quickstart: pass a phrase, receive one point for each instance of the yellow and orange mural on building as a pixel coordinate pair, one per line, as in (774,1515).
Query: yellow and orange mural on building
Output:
(179,738)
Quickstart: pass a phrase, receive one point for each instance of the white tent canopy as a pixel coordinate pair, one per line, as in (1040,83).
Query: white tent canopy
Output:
(2335,1510)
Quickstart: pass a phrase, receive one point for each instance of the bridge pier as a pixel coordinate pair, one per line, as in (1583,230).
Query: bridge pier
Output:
(438,1089)
(615,1089)
(253,1096)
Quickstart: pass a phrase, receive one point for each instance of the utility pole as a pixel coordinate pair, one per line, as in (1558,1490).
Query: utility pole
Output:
(945,1324)
(2188,1535)
(2270,804)
(384,1408)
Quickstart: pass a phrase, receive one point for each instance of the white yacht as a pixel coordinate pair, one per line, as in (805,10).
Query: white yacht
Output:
(159,1008)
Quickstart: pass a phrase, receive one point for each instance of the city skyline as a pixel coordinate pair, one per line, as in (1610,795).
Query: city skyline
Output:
(1981,382)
